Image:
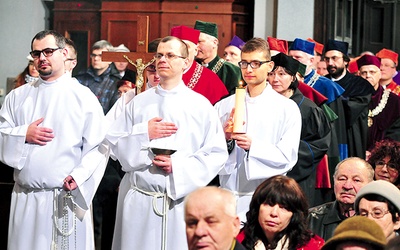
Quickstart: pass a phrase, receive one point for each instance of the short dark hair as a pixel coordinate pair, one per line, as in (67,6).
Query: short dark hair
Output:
(184,48)
(60,39)
(72,45)
(257,44)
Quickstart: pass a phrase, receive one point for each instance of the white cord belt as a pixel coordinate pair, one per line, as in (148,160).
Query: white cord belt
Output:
(163,214)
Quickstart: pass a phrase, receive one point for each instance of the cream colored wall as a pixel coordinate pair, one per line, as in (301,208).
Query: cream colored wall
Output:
(295,18)
(20,20)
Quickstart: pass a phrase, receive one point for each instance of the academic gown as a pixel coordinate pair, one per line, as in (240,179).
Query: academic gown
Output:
(274,124)
(205,82)
(357,96)
(333,91)
(315,140)
(229,73)
(201,153)
(386,124)
(77,119)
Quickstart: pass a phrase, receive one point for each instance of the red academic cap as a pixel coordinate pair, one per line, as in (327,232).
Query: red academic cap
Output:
(387,53)
(368,60)
(278,45)
(353,68)
(186,33)
(319,47)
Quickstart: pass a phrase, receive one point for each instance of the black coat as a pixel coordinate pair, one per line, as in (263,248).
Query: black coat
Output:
(324,219)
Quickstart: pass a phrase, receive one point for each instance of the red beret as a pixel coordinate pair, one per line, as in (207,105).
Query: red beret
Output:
(319,47)
(353,68)
(186,33)
(368,60)
(386,53)
(278,45)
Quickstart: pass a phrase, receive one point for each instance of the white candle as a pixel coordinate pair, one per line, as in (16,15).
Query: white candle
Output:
(238,117)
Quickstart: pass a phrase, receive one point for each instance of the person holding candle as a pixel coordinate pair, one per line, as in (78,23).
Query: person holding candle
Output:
(315,131)
(269,143)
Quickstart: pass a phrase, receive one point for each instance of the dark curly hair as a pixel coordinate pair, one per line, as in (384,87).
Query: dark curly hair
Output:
(383,148)
(287,193)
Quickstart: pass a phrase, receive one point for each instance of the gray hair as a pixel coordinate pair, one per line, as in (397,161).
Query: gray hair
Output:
(360,162)
(102,44)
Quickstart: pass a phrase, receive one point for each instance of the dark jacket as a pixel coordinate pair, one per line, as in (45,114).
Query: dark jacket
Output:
(324,219)
(103,86)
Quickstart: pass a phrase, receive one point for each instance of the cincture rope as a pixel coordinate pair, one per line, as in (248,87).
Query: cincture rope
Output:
(163,214)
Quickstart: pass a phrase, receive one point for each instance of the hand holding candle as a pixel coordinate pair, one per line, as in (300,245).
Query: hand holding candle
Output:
(238,118)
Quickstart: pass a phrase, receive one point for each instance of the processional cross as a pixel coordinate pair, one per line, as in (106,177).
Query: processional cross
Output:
(143,58)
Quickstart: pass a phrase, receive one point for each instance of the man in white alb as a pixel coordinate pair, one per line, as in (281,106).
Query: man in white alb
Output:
(168,116)
(50,132)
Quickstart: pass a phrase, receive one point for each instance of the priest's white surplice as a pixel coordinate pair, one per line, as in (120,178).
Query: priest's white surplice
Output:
(145,189)
(274,124)
(78,123)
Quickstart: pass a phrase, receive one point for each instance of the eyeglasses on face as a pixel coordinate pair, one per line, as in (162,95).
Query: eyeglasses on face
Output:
(376,213)
(46,52)
(253,64)
(391,167)
(333,58)
(95,55)
(365,72)
(168,56)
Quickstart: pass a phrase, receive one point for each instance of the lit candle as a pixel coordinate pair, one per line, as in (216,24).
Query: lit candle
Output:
(238,117)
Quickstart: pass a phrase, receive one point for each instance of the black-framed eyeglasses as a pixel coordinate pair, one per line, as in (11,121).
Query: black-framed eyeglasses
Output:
(95,55)
(168,56)
(46,52)
(391,167)
(253,64)
(376,213)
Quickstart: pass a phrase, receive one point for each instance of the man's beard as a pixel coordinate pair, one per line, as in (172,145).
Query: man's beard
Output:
(45,72)
(335,72)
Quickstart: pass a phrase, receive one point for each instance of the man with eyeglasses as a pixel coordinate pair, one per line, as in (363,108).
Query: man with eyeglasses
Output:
(356,96)
(350,176)
(197,77)
(101,77)
(50,135)
(380,201)
(272,125)
(384,108)
(390,78)
(169,143)
(208,56)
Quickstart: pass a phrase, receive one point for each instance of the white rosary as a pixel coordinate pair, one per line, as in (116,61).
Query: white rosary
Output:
(64,231)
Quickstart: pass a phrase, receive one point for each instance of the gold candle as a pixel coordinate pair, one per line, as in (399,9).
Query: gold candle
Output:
(238,117)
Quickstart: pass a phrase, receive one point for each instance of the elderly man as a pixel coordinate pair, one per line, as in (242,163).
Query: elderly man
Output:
(197,77)
(389,60)
(233,50)
(380,201)
(384,108)
(211,220)
(169,142)
(208,56)
(350,176)
(357,96)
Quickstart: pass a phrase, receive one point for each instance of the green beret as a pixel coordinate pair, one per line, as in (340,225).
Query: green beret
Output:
(206,27)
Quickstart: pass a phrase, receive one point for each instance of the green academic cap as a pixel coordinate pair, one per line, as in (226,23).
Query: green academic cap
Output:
(206,27)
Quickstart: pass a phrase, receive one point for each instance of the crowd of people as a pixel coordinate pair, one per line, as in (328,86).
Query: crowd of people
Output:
(269,147)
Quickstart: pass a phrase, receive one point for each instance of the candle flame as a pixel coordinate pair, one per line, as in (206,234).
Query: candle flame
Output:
(240,84)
